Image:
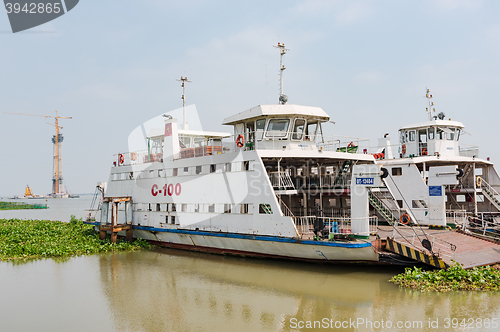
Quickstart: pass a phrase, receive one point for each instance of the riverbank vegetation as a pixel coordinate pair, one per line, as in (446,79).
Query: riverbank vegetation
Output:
(27,239)
(20,206)
(483,278)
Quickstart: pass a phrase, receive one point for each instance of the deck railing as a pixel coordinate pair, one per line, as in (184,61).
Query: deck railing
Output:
(332,226)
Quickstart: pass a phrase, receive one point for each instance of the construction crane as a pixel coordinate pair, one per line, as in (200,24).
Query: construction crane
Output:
(57,180)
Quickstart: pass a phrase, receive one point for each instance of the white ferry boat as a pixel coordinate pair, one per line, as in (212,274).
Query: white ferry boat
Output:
(275,187)
(421,146)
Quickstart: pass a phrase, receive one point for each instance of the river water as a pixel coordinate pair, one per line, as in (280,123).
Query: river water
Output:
(172,290)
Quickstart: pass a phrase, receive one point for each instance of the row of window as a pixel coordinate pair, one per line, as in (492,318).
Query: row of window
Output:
(280,128)
(432,133)
(193,207)
(236,166)
(201,208)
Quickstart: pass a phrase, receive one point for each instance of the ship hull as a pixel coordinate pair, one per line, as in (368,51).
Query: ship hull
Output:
(259,246)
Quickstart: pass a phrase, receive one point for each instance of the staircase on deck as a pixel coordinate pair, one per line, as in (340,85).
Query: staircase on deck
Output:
(377,201)
(490,193)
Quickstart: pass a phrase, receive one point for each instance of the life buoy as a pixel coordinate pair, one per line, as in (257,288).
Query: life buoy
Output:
(403,149)
(240,141)
(121,159)
(424,152)
(350,145)
(478,181)
(405,219)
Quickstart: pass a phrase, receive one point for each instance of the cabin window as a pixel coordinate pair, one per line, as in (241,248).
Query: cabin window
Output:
(400,203)
(212,168)
(265,209)
(411,136)
(402,137)
(259,128)
(211,208)
(278,128)
(186,170)
(430,133)
(250,134)
(440,133)
(311,131)
(200,141)
(197,208)
(422,136)
(397,171)
(185,142)
(457,136)
(184,207)
(244,209)
(246,165)
(298,129)
(228,167)
(450,135)
(227,208)
(198,169)
(174,172)
(158,207)
(172,220)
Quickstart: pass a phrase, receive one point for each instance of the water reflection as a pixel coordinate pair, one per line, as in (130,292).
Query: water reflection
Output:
(180,291)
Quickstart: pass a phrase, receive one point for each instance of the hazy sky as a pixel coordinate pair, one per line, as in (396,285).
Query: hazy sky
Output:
(112,65)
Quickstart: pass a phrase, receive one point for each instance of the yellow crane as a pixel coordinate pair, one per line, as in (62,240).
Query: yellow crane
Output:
(56,140)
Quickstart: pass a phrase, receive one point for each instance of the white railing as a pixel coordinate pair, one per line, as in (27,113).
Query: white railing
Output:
(332,226)
(134,158)
(281,180)
(467,150)
(285,210)
(415,236)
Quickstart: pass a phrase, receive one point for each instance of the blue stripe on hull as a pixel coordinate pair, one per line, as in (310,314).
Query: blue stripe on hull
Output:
(253,237)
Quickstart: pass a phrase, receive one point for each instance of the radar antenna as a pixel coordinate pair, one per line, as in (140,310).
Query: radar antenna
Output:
(184,122)
(283,98)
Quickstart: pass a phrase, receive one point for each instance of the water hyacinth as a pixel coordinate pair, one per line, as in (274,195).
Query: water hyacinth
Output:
(26,239)
(483,278)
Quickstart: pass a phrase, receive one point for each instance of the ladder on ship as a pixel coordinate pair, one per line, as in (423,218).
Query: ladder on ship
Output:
(382,208)
(344,170)
(491,194)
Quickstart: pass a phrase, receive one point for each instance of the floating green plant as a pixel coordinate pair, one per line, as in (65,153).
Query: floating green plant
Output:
(483,278)
(26,239)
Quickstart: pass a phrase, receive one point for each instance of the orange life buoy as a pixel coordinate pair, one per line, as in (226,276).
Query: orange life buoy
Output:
(405,219)
(121,159)
(424,152)
(350,145)
(403,149)
(240,141)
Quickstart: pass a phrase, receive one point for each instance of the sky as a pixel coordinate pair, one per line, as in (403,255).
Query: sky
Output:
(112,65)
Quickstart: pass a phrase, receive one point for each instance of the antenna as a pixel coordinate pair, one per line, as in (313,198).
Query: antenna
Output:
(184,80)
(283,98)
(428,109)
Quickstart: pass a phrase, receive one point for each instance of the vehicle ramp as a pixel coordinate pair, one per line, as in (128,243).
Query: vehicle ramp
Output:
(439,247)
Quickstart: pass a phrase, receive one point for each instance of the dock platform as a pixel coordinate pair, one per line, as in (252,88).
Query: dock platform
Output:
(445,246)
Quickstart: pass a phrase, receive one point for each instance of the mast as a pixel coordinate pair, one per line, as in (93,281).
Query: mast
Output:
(428,109)
(281,47)
(184,80)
